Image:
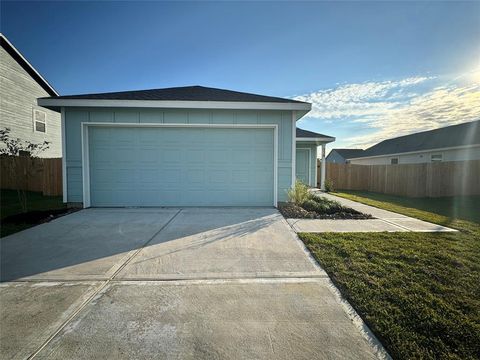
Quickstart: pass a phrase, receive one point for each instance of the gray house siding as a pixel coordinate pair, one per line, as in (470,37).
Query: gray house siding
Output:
(75,116)
(335,157)
(463,154)
(18,94)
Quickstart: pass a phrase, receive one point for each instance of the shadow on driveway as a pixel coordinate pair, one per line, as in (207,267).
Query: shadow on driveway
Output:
(95,243)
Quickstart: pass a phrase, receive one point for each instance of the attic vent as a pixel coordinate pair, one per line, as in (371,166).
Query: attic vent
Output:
(39,121)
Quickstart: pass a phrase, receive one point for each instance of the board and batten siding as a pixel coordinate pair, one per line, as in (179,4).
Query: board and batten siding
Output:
(75,116)
(18,97)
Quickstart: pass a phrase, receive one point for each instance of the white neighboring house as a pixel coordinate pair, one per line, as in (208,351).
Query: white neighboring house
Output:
(20,87)
(452,143)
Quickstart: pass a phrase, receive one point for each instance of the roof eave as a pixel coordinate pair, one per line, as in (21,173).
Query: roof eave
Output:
(416,151)
(44,83)
(57,104)
(316,140)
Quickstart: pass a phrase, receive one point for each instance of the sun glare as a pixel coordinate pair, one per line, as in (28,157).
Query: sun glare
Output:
(475,75)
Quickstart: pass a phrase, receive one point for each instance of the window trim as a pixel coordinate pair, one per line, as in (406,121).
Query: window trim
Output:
(34,120)
(436,154)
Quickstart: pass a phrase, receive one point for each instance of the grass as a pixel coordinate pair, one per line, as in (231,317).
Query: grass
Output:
(438,210)
(9,205)
(418,292)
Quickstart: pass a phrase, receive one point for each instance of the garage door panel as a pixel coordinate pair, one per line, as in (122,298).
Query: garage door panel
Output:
(161,166)
(195,156)
(218,156)
(170,155)
(218,176)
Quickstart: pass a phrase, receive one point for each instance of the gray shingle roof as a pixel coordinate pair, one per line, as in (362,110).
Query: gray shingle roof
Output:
(301,133)
(186,93)
(450,136)
(349,153)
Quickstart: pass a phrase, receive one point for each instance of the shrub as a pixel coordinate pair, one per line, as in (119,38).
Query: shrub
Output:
(310,205)
(329,185)
(322,205)
(299,193)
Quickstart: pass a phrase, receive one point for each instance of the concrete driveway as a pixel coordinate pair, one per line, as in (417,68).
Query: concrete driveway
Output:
(208,283)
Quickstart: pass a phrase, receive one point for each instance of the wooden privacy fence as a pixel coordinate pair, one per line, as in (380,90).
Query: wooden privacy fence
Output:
(412,180)
(42,175)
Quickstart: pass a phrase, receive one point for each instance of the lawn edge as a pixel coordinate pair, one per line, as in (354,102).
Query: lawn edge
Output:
(373,341)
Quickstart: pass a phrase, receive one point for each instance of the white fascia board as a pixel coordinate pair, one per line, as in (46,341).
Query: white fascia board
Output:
(64,158)
(417,152)
(174,104)
(320,140)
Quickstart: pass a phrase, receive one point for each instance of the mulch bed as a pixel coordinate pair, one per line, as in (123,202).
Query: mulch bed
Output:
(293,211)
(37,217)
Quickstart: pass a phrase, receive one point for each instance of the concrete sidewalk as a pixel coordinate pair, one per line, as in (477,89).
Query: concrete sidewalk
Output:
(384,221)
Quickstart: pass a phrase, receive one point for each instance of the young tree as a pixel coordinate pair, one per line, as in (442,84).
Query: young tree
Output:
(22,154)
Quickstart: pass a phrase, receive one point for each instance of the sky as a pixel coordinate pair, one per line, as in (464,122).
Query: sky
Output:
(372,70)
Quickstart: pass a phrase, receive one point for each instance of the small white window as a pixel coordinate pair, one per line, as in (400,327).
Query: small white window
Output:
(39,121)
(436,157)
(394,161)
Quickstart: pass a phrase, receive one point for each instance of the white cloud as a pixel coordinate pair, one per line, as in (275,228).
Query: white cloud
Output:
(395,108)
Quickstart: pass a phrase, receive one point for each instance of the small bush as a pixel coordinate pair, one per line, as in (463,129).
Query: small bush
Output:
(329,185)
(322,205)
(299,193)
(311,205)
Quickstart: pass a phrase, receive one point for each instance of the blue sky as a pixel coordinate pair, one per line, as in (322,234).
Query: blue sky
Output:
(371,69)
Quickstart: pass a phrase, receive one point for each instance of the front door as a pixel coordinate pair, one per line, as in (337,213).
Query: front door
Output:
(302,165)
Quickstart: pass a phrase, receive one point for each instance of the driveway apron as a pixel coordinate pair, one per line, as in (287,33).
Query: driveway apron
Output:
(192,283)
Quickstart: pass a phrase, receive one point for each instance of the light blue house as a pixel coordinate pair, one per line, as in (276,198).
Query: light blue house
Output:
(306,156)
(187,146)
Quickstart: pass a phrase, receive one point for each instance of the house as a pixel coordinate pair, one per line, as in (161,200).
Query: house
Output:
(306,156)
(452,143)
(341,156)
(184,146)
(21,86)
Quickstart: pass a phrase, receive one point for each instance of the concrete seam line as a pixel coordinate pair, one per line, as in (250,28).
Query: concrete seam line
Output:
(246,278)
(397,225)
(70,318)
(143,246)
(96,292)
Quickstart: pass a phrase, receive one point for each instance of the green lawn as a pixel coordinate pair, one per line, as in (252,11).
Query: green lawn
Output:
(418,292)
(428,209)
(9,205)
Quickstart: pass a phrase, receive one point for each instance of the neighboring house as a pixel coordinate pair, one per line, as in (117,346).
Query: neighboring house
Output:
(306,157)
(21,85)
(341,156)
(452,143)
(186,146)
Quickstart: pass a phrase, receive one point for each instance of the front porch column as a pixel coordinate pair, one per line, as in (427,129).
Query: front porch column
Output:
(323,167)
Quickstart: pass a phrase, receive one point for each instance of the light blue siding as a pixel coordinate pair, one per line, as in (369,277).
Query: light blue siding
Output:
(302,165)
(74,116)
(306,167)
